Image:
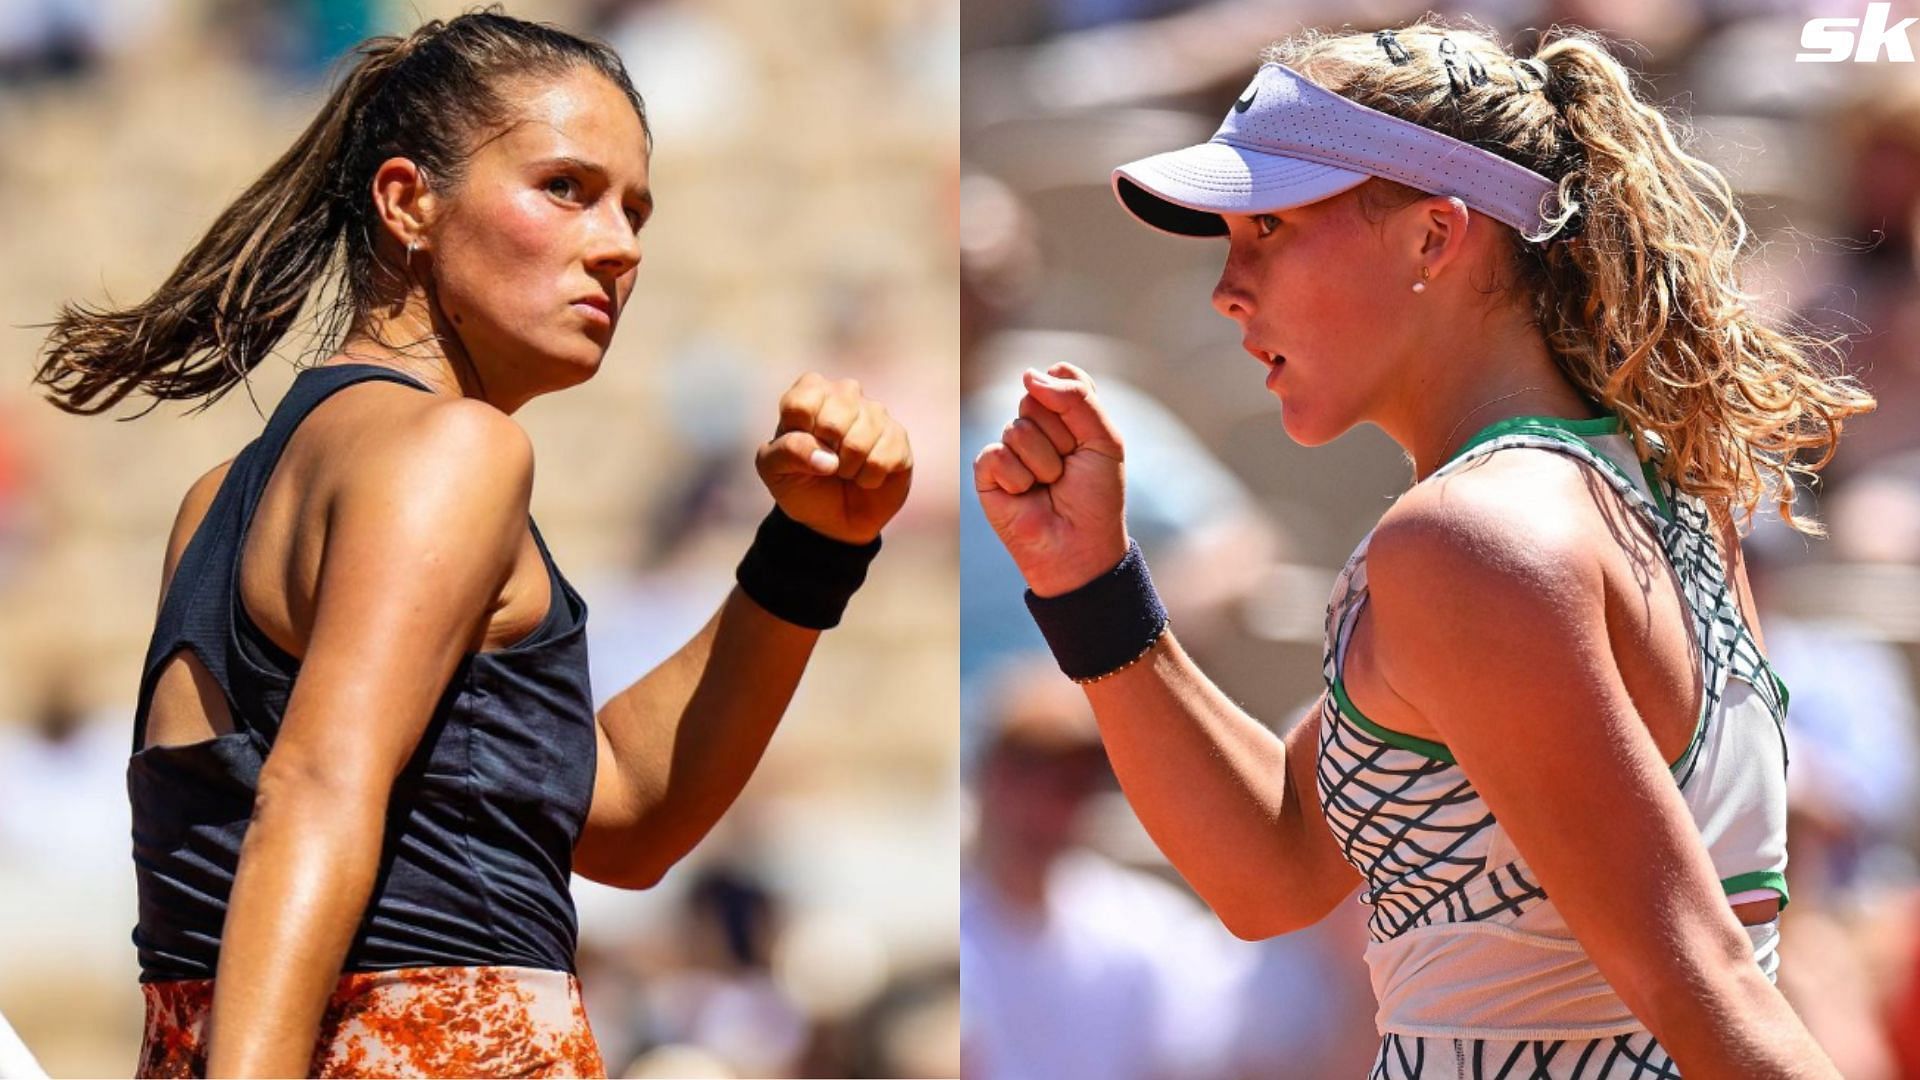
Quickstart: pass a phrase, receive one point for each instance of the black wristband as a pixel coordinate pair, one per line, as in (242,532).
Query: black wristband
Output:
(1104,625)
(800,575)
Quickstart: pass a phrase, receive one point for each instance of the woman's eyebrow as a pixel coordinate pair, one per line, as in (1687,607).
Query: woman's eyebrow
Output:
(597,170)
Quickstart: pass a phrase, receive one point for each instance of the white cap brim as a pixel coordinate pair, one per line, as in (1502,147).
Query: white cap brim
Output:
(1185,191)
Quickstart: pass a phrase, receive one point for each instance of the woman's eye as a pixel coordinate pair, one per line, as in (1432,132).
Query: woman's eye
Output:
(1265,223)
(562,187)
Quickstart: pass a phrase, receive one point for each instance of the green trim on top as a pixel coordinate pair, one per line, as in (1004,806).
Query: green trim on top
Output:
(1758,879)
(1653,477)
(1779,684)
(1693,744)
(1565,431)
(1434,750)
(1560,428)
(1659,493)
(1600,425)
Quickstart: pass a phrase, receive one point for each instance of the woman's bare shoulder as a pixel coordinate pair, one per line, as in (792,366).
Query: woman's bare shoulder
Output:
(1491,581)
(1515,514)
(372,423)
(1513,543)
(381,441)
(399,467)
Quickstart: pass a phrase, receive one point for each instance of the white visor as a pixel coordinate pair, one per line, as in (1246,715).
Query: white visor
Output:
(1288,142)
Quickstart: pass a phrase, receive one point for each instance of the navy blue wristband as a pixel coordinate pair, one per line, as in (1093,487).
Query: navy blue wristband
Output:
(1104,625)
(800,575)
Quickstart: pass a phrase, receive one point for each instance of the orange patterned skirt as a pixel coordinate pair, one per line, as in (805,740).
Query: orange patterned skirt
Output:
(437,1021)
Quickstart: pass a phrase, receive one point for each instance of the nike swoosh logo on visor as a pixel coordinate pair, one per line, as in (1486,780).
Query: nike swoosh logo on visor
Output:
(1246,103)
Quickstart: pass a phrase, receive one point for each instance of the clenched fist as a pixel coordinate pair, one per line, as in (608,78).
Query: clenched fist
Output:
(1053,487)
(837,463)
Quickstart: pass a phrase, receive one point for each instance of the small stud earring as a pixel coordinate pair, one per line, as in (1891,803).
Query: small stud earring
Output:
(1421,285)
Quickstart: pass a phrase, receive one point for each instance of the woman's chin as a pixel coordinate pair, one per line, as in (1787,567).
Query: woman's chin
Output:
(582,355)
(1301,427)
(582,368)
(561,368)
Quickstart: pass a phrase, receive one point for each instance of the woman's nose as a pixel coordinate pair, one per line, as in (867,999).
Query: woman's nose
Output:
(616,247)
(1230,298)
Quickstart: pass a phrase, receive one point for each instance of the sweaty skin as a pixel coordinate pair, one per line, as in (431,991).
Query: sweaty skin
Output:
(1484,619)
(392,539)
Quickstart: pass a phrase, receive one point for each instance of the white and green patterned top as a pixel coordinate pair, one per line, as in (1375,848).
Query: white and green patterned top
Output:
(1465,942)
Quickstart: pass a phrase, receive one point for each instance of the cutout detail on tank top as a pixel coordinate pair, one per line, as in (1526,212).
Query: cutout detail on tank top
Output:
(201,677)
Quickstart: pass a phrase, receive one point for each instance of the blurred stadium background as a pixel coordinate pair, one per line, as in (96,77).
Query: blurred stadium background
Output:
(806,167)
(1083,954)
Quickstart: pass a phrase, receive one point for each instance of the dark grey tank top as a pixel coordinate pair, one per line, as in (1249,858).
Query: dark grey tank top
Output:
(483,818)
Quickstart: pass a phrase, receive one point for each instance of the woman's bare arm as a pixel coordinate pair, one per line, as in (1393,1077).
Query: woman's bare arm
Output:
(420,537)
(677,747)
(1490,622)
(1231,805)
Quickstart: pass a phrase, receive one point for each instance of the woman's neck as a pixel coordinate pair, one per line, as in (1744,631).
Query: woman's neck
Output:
(1492,377)
(410,341)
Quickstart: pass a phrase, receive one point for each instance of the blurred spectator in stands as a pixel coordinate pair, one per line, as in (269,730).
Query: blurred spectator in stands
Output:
(698,995)
(51,40)
(64,850)
(1076,966)
(63,812)
(1079,966)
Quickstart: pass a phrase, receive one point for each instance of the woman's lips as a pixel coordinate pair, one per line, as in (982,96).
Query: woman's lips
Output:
(595,309)
(1273,361)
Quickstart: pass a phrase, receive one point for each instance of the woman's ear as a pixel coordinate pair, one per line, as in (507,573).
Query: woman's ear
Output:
(402,200)
(1438,227)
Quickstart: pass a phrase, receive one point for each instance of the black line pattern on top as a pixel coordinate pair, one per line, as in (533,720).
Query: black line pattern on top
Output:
(1635,1056)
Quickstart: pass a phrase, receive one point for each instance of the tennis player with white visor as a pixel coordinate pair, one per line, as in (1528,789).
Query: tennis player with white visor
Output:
(1550,754)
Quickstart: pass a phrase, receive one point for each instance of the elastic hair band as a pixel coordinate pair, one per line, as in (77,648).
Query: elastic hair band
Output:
(1105,625)
(800,575)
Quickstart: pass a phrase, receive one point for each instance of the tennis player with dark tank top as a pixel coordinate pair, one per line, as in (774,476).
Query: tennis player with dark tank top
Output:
(366,757)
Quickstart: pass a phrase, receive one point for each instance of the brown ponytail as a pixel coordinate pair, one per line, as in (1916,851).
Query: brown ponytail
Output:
(1636,290)
(309,218)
